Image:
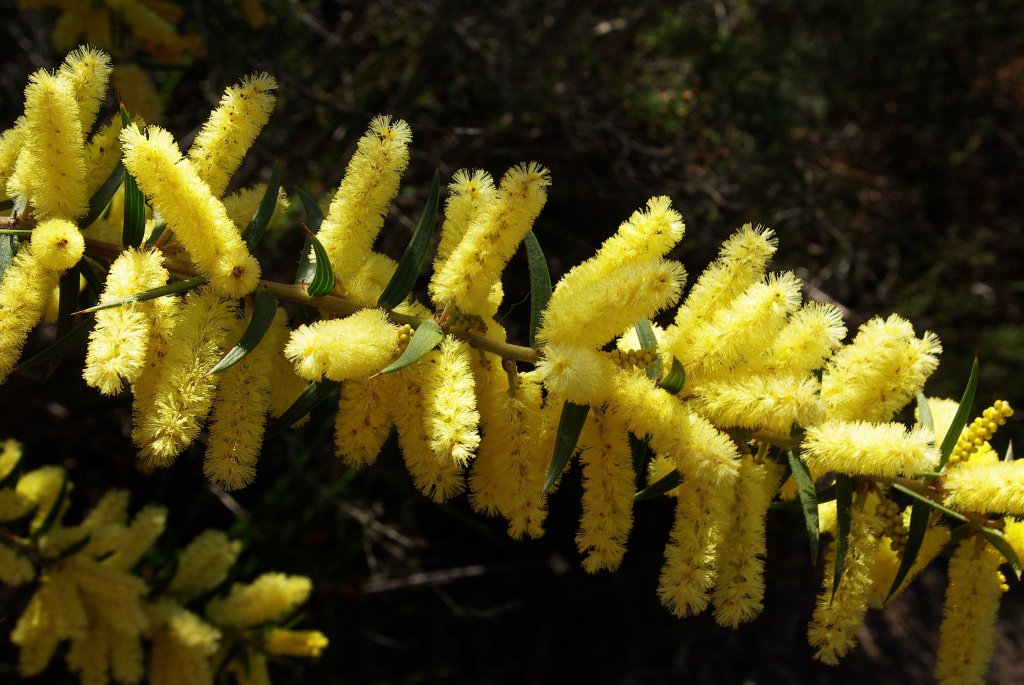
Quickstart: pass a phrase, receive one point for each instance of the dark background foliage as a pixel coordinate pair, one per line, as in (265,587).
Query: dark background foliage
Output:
(881,140)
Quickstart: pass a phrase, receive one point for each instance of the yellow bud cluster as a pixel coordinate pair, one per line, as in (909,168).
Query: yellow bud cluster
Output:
(980,431)
(893,527)
(627,359)
(472,323)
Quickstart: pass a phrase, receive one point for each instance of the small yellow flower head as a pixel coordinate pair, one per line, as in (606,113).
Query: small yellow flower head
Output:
(578,374)
(87,70)
(270,596)
(10,455)
(203,565)
(15,567)
(810,337)
(363,422)
(353,347)
(452,420)
(645,235)
(476,263)
(469,194)
(997,487)
(871,449)
(294,642)
(57,244)
(138,92)
(198,219)
(231,129)
(24,292)
(967,636)
(146,527)
(768,401)
(182,644)
(837,620)
(370,184)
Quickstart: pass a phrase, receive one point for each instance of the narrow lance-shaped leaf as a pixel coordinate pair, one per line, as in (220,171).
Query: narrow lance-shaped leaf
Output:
(323,276)
(1000,543)
(920,512)
(134,229)
(645,334)
(67,303)
(315,393)
(8,248)
(924,412)
(53,514)
(76,337)
(261,219)
(1009,452)
(674,381)
(918,497)
(169,289)
(570,425)
(408,269)
(314,217)
(808,501)
(263,311)
(638,448)
(960,419)
(844,505)
(670,480)
(426,337)
(91,278)
(540,283)
(826,494)
(101,198)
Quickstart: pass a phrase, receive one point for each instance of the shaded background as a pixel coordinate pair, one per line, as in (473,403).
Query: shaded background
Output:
(882,141)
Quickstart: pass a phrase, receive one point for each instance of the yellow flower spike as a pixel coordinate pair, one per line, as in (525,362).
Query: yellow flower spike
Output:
(10,455)
(837,620)
(242,204)
(232,128)
(198,219)
(182,395)
(181,645)
(87,70)
(102,154)
(578,374)
(24,292)
(57,244)
(807,340)
(872,449)
(294,642)
(203,565)
(54,613)
(363,422)
(238,416)
(469,195)
(997,487)
(371,182)
(451,419)
(608,488)
(526,464)
(11,142)
(491,490)
(164,318)
(270,596)
(771,402)
(340,349)
(967,635)
(739,589)
(119,343)
(476,263)
(146,527)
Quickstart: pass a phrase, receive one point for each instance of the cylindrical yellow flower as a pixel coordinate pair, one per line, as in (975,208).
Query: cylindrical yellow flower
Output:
(203,565)
(578,374)
(490,489)
(102,154)
(87,70)
(469,194)
(41,487)
(871,449)
(54,614)
(452,420)
(764,401)
(146,527)
(294,642)
(57,244)
(181,645)
(185,202)
(997,488)
(353,347)
(363,422)
(268,597)
(810,337)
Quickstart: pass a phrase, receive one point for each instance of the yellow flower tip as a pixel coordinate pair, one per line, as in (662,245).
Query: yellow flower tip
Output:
(268,597)
(229,474)
(236,275)
(57,244)
(872,449)
(577,374)
(294,642)
(451,418)
(986,487)
(353,347)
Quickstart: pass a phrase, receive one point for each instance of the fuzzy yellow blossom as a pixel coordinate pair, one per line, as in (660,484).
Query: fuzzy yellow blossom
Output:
(469,195)
(183,394)
(577,374)
(772,402)
(54,614)
(837,620)
(10,455)
(57,244)
(119,342)
(872,449)
(203,565)
(294,642)
(196,216)
(238,416)
(243,204)
(56,145)
(102,154)
(660,466)
(476,263)
(41,487)
(887,561)
(363,421)
(11,142)
(138,92)
(182,644)
(371,182)
(165,317)
(353,347)
(268,597)
(451,420)
(146,527)
(608,488)
(997,487)
(969,615)
(880,371)
(231,129)
(24,292)
(87,70)
(739,589)
(807,340)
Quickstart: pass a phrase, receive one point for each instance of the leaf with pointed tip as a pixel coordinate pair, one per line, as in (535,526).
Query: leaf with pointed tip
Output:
(261,219)
(263,311)
(674,381)
(323,277)
(101,198)
(808,501)
(919,515)
(924,412)
(53,514)
(1009,452)
(162,291)
(158,231)
(844,505)
(134,229)
(962,414)
(315,393)
(426,337)
(540,283)
(645,334)
(670,480)
(314,217)
(408,269)
(570,425)
(638,448)
(76,337)
(1000,543)
(8,248)
(67,303)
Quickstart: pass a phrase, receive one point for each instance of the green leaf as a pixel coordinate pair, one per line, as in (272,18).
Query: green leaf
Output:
(323,277)
(962,414)
(263,311)
(162,291)
(1000,543)
(261,219)
(931,503)
(959,533)
(1009,452)
(919,515)
(134,229)
(425,338)
(844,505)
(808,501)
(570,425)
(645,334)
(826,494)
(8,248)
(408,270)
(315,393)
(924,412)
(674,381)
(314,217)
(660,487)
(91,279)
(101,198)
(638,448)
(53,514)
(67,303)
(540,284)
(76,337)
(75,547)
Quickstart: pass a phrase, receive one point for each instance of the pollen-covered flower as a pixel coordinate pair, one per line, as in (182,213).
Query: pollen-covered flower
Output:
(294,642)
(769,401)
(872,449)
(577,374)
(353,347)
(57,244)
(451,419)
(996,487)
(203,565)
(268,597)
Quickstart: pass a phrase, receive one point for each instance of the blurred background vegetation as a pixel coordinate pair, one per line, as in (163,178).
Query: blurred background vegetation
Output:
(883,141)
